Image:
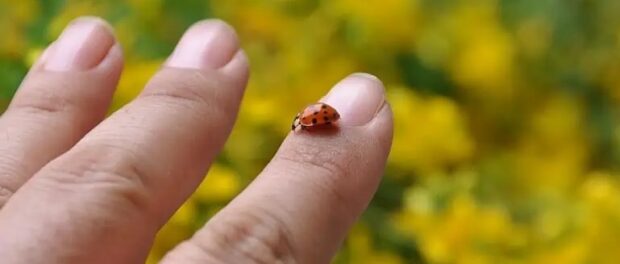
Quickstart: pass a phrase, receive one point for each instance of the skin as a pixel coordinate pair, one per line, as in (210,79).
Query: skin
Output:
(76,187)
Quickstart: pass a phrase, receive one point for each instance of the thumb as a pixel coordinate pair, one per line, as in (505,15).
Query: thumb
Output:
(300,208)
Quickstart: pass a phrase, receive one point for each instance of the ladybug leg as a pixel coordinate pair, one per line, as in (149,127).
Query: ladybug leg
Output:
(294,127)
(295,123)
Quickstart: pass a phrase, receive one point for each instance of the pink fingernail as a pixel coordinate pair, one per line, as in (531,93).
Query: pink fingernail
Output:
(358,98)
(81,46)
(208,44)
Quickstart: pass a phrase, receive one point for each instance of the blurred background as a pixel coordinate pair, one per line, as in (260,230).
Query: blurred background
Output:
(507,144)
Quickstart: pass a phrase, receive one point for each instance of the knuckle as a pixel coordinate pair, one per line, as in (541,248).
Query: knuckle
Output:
(255,236)
(50,93)
(40,94)
(40,101)
(183,90)
(5,194)
(102,170)
(12,173)
(194,89)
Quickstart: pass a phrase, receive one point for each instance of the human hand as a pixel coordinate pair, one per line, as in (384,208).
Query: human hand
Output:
(75,188)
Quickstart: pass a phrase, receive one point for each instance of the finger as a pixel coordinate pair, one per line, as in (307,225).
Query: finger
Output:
(122,181)
(65,94)
(300,207)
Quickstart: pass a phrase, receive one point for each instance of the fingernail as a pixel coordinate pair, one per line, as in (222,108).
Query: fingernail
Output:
(357,98)
(209,44)
(81,46)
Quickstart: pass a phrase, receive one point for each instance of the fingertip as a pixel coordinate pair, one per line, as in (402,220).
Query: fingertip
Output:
(82,45)
(208,44)
(367,76)
(357,98)
(382,126)
(95,19)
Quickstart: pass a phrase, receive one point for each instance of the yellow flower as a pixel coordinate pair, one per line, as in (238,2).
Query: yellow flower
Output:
(571,252)
(360,243)
(73,9)
(553,152)
(485,58)
(385,23)
(534,37)
(33,55)
(459,232)
(430,132)
(14,19)
(179,228)
(221,184)
(135,76)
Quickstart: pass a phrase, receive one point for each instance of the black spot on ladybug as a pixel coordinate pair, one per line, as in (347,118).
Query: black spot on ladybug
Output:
(314,121)
(325,118)
(328,123)
(323,106)
(315,113)
(324,112)
(336,115)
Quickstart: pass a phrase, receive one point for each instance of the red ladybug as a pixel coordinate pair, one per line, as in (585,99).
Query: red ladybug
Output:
(315,115)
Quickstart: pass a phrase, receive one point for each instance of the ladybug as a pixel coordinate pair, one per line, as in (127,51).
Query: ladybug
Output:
(315,115)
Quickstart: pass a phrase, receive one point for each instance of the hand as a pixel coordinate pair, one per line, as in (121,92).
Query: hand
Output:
(78,188)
